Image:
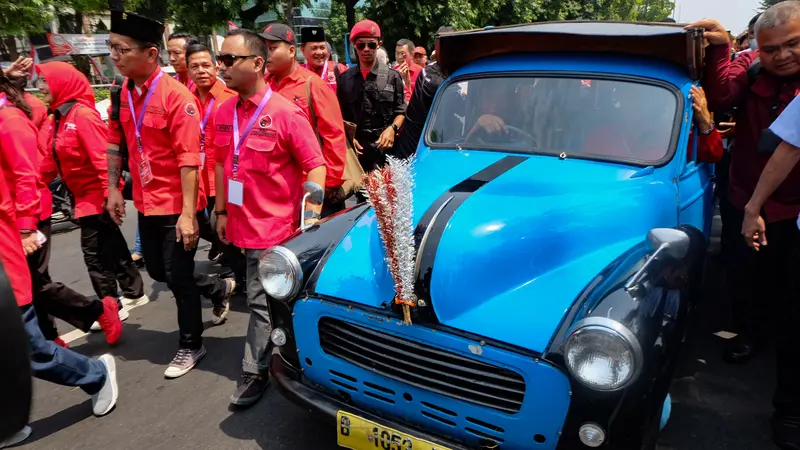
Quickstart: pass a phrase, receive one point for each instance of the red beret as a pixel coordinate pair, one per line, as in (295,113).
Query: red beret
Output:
(365,28)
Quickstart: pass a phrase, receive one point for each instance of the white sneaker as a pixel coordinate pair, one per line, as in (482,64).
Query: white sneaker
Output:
(18,437)
(106,398)
(123,316)
(135,302)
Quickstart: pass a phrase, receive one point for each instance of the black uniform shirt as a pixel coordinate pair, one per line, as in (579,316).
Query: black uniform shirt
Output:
(364,105)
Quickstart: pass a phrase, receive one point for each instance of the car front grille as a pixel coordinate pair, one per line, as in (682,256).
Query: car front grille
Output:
(423,366)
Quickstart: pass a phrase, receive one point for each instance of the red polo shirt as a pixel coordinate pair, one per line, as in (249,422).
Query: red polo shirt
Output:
(413,72)
(220,94)
(329,77)
(20,164)
(11,255)
(330,124)
(171,139)
(280,147)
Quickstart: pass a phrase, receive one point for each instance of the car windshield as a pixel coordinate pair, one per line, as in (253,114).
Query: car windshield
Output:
(599,118)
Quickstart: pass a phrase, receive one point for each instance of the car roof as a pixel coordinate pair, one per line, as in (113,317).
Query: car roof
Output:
(666,41)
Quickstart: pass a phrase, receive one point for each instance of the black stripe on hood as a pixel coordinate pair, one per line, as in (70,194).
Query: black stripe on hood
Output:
(429,231)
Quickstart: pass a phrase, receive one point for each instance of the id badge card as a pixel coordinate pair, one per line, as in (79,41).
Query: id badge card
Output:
(235,192)
(145,174)
(202,159)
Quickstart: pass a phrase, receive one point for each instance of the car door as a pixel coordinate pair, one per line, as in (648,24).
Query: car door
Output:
(695,182)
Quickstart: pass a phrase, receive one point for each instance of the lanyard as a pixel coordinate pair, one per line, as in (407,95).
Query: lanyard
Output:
(324,70)
(237,139)
(189,82)
(137,123)
(204,122)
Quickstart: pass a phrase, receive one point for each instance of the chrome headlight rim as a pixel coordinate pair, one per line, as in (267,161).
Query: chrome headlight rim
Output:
(613,327)
(294,265)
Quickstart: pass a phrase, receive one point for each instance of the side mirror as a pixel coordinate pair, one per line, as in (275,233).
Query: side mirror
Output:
(314,194)
(667,244)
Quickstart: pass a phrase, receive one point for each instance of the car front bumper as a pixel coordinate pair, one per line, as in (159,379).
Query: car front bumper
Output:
(288,380)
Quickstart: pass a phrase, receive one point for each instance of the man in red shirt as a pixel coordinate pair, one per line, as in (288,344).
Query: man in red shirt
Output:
(159,120)
(264,144)
(300,86)
(211,93)
(318,56)
(762,83)
(404,53)
(176,49)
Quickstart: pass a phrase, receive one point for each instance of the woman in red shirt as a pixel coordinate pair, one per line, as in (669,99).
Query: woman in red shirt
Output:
(19,164)
(19,198)
(75,149)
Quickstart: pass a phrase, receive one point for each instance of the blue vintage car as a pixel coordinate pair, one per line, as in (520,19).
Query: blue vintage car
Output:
(561,224)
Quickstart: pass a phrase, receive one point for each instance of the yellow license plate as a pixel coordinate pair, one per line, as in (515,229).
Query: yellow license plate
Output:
(361,434)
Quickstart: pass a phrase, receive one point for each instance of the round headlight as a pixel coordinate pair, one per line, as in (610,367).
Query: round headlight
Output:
(280,273)
(602,354)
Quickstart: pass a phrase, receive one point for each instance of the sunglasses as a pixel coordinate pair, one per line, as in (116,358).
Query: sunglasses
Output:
(372,45)
(230,60)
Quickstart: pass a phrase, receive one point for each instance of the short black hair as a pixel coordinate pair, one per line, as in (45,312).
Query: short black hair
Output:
(409,45)
(254,42)
(144,44)
(189,38)
(753,21)
(197,48)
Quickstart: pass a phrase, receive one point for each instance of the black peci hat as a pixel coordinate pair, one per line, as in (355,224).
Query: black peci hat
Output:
(312,34)
(137,27)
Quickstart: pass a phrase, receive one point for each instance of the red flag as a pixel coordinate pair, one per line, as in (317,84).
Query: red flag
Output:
(231,26)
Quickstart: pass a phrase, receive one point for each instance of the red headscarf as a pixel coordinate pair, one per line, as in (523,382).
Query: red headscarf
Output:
(66,83)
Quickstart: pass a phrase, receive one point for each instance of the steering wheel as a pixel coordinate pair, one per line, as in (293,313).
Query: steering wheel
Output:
(514,135)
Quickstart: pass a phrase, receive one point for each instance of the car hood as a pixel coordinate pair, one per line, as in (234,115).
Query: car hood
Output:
(519,250)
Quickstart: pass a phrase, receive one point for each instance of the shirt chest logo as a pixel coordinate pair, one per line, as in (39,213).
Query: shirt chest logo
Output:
(189,109)
(70,126)
(265,121)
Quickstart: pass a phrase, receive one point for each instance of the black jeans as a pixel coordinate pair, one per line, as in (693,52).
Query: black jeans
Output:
(231,256)
(764,285)
(107,258)
(169,262)
(56,299)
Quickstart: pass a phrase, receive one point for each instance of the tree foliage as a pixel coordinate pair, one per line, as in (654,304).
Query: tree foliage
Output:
(419,19)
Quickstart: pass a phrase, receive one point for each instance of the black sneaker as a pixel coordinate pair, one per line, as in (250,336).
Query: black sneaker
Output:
(249,389)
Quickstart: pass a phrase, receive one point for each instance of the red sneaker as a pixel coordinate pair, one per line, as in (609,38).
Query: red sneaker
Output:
(60,342)
(109,320)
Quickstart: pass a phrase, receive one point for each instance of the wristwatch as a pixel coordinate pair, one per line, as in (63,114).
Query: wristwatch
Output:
(395,128)
(221,213)
(710,129)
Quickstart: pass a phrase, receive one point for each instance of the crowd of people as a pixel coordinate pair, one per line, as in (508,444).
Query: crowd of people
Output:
(221,152)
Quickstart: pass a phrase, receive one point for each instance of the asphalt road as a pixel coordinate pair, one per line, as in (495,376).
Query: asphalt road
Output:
(715,406)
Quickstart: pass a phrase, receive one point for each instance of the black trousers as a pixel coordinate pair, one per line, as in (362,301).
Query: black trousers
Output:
(231,256)
(765,290)
(169,262)
(51,298)
(371,156)
(107,258)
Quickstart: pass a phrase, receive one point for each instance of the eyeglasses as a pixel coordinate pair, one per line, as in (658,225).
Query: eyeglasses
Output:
(230,60)
(119,50)
(372,45)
